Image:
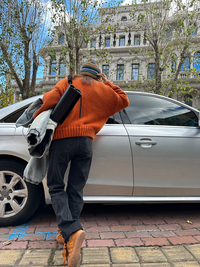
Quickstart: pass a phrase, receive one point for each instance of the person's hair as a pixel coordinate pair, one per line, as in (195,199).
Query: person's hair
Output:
(84,78)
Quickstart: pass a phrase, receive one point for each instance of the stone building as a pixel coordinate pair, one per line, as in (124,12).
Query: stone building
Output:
(125,67)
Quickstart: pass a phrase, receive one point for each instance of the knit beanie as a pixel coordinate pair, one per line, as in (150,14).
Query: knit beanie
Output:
(91,69)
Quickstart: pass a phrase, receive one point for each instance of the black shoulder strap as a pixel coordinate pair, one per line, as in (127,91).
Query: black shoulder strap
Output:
(70,79)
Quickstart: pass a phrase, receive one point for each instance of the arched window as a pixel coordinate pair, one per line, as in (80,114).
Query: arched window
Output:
(197,61)
(188,99)
(61,39)
(186,64)
(173,65)
(124,18)
(53,67)
(62,67)
(151,71)
(93,43)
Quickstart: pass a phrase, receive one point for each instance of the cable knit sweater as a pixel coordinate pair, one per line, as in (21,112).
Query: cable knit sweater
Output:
(99,102)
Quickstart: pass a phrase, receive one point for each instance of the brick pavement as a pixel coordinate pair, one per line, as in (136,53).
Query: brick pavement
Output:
(129,235)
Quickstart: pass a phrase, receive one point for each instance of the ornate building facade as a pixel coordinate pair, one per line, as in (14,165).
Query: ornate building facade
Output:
(125,67)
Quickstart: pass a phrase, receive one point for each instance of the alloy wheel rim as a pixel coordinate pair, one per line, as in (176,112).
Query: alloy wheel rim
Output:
(13,194)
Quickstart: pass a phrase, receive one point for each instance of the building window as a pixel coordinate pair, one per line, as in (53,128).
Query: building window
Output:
(105,70)
(188,100)
(151,71)
(53,67)
(136,40)
(173,65)
(62,67)
(107,42)
(129,39)
(197,61)
(100,41)
(124,18)
(122,41)
(120,72)
(135,71)
(62,39)
(186,64)
(93,43)
(145,38)
(194,32)
(114,42)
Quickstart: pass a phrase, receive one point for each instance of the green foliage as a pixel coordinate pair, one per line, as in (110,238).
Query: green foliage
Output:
(6,94)
(79,21)
(169,29)
(22,34)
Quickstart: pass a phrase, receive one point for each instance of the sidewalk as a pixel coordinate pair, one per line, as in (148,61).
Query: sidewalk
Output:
(167,256)
(116,236)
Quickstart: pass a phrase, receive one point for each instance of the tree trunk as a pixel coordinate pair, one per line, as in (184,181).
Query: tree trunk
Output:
(35,67)
(158,83)
(77,60)
(26,80)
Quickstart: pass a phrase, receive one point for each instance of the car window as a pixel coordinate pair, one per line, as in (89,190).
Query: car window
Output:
(116,119)
(12,118)
(150,110)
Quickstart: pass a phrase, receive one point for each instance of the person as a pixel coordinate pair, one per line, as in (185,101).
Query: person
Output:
(72,141)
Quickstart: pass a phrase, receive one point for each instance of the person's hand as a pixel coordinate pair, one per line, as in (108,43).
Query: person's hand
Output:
(103,76)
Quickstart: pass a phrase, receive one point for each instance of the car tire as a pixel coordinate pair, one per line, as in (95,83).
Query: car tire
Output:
(18,199)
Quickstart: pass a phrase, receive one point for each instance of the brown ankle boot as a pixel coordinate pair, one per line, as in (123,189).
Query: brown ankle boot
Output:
(74,247)
(65,254)
(60,238)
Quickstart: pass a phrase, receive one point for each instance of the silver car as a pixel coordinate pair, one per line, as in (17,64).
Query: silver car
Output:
(148,152)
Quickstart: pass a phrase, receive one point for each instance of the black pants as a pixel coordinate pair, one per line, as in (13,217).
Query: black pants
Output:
(68,204)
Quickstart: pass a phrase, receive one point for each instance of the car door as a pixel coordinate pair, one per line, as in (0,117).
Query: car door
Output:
(111,172)
(165,142)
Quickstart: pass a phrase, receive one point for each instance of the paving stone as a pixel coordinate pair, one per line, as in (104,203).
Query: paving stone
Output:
(97,265)
(15,245)
(42,244)
(98,229)
(58,258)
(195,250)
(177,253)
(128,242)
(121,228)
(126,265)
(179,240)
(92,235)
(101,243)
(150,254)
(155,241)
(160,264)
(123,255)
(36,257)
(186,264)
(190,232)
(108,222)
(146,228)
(138,234)
(131,221)
(173,226)
(10,258)
(113,235)
(95,256)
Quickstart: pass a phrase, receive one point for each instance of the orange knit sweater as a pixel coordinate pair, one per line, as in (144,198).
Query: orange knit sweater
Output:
(99,102)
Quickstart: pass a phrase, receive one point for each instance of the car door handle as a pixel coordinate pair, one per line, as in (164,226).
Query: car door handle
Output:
(145,142)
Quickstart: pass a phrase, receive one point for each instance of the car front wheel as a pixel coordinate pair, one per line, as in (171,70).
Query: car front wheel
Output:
(18,199)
